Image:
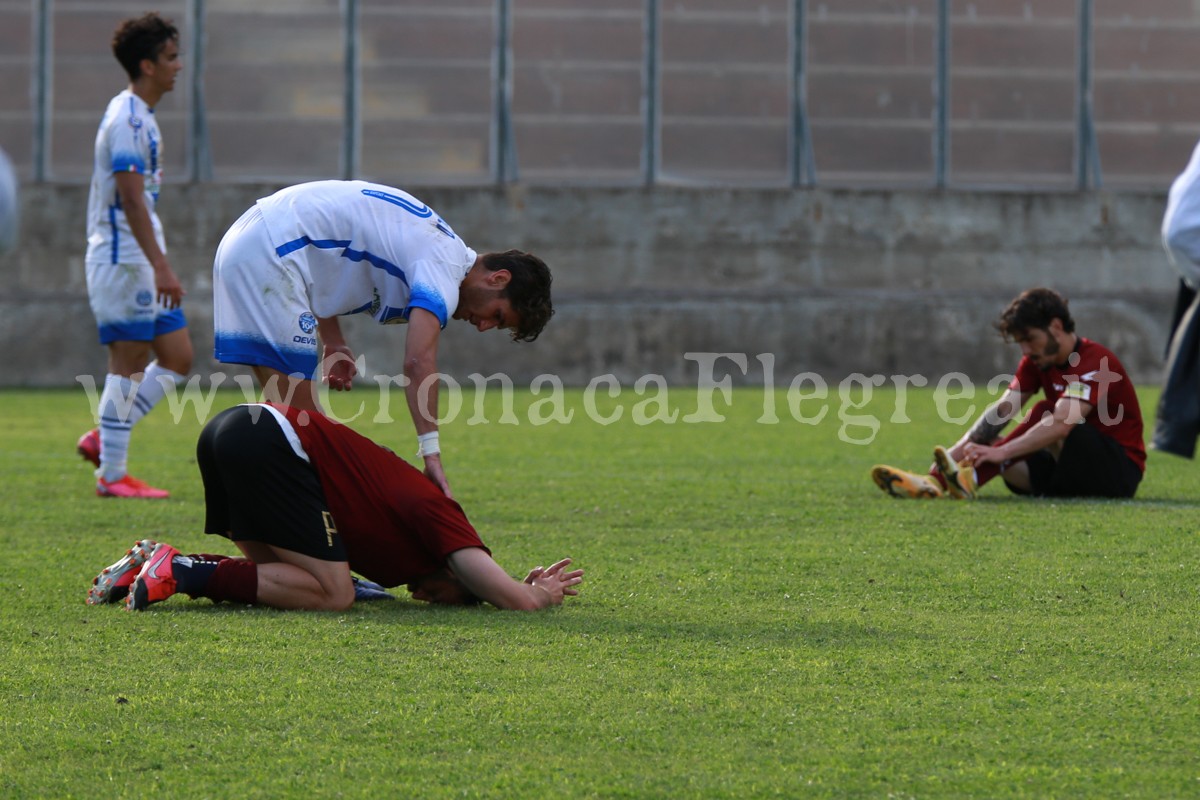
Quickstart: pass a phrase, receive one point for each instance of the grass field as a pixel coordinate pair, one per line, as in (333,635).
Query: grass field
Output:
(757,620)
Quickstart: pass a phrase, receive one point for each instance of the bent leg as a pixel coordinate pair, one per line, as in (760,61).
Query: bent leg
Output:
(296,581)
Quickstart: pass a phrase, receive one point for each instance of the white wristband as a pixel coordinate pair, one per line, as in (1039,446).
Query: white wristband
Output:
(427,444)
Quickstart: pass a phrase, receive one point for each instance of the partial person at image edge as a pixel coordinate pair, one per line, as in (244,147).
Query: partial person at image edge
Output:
(1177,423)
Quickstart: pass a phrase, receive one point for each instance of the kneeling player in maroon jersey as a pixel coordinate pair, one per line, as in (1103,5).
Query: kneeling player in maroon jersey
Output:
(307,500)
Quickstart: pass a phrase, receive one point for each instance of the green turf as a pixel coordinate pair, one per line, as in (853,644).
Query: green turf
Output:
(757,620)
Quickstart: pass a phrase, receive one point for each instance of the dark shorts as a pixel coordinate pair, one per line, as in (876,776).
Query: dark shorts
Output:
(256,489)
(1090,465)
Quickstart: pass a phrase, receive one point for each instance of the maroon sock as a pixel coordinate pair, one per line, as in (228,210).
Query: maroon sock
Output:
(207,557)
(985,472)
(936,474)
(235,580)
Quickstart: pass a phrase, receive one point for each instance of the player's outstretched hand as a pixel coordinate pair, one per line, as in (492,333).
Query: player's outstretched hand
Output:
(555,581)
(340,368)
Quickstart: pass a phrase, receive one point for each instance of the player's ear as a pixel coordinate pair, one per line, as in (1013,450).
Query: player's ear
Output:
(1055,327)
(498,279)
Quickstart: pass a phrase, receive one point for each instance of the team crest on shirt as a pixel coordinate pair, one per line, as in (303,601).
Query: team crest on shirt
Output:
(145,297)
(135,122)
(308,323)
(1077,390)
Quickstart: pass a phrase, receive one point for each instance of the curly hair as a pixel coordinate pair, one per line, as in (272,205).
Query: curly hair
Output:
(141,38)
(528,290)
(1034,308)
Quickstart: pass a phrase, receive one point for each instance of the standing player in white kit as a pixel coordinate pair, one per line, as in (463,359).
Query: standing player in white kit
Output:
(299,259)
(134,293)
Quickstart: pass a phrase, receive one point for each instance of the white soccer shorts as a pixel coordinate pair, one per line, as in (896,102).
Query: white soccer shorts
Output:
(124,300)
(261,312)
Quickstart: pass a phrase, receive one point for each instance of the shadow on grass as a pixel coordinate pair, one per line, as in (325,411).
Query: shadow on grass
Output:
(730,631)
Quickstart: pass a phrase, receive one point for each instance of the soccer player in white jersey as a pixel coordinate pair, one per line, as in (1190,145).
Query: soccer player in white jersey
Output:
(299,259)
(135,295)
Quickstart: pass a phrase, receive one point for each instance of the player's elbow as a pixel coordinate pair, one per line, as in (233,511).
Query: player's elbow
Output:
(418,366)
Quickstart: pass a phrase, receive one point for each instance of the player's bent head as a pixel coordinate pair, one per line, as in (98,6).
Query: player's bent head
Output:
(443,588)
(528,290)
(141,38)
(1034,309)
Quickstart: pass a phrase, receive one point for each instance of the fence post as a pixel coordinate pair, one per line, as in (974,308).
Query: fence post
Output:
(351,92)
(42,87)
(941,125)
(199,153)
(504,150)
(804,169)
(650,110)
(1086,145)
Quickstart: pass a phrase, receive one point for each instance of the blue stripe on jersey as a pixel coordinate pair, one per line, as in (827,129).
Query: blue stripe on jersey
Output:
(112,223)
(389,313)
(347,252)
(128,162)
(431,301)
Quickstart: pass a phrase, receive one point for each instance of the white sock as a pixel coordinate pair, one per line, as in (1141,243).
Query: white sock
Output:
(116,407)
(152,389)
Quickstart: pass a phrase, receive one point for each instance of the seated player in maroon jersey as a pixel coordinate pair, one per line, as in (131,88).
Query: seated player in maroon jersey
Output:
(308,500)
(1083,439)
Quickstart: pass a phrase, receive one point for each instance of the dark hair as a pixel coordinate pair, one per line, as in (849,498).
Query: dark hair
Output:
(1034,308)
(140,38)
(529,290)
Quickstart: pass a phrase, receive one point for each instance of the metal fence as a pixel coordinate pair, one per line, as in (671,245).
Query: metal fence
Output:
(1053,94)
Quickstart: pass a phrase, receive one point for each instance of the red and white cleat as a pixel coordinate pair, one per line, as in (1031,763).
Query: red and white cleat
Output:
(113,582)
(156,581)
(129,486)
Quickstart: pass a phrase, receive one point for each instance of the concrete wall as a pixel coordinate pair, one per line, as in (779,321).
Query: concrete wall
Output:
(827,281)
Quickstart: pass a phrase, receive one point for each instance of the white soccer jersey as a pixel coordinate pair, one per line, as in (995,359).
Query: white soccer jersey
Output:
(367,248)
(128,141)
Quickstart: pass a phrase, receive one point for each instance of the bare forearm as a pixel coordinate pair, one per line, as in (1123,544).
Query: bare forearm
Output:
(422,393)
(138,217)
(989,426)
(1049,431)
(331,331)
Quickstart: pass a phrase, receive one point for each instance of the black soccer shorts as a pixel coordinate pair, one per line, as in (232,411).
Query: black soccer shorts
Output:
(1090,465)
(256,489)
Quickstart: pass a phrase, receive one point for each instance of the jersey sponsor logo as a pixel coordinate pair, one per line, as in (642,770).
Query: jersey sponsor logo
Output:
(144,297)
(308,323)
(298,339)
(1077,390)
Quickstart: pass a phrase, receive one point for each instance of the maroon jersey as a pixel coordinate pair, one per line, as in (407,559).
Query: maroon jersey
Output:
(396,524)
(1098,378)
